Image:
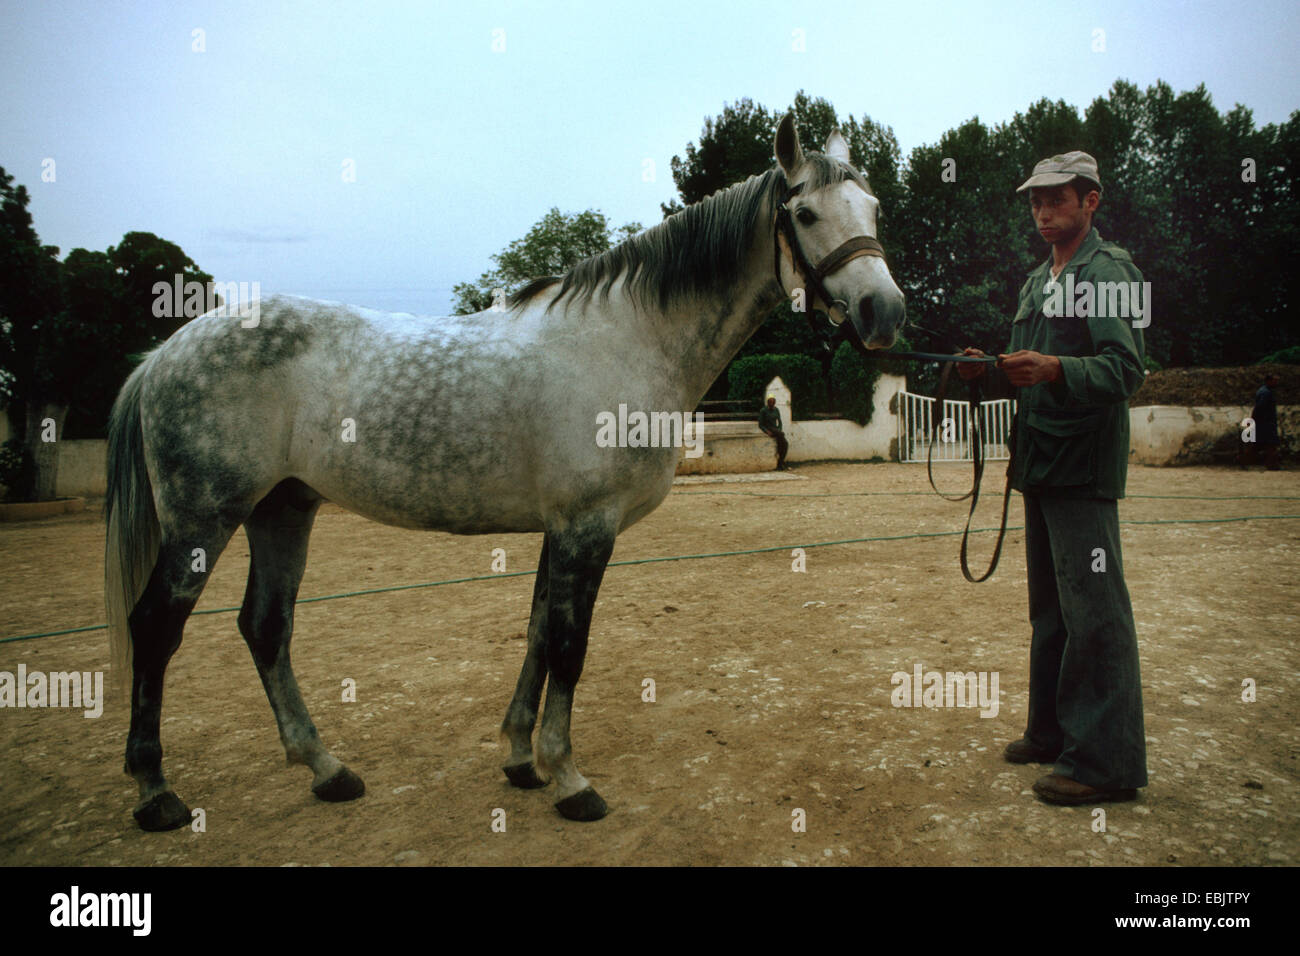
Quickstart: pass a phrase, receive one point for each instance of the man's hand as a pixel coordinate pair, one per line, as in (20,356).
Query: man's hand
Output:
(970,370)
(1029,368)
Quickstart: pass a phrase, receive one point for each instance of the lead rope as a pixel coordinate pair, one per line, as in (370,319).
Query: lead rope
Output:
(977,458)
(977,441)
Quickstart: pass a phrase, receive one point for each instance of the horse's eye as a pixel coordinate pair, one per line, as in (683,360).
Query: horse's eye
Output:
(806,217)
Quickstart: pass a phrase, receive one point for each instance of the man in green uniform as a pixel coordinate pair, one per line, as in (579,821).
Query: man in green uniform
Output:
(1072,365)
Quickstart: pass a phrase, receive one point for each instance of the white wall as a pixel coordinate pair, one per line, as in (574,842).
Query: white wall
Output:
(736,447)
(840,438)
(82,468)
(1179,435)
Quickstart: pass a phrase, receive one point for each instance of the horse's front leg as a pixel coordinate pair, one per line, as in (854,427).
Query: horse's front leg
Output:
(578,555)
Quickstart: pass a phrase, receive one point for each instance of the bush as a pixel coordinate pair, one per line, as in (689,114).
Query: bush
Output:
(17,470)
(1287,356)
(748,377)
(856,378)
(853,376)
(900,366)
(855,381)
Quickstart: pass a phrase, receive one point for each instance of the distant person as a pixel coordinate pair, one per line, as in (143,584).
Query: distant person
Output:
(769,420)
(1265,416)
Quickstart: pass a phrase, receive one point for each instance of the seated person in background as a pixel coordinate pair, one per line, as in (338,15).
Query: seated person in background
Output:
(769,420)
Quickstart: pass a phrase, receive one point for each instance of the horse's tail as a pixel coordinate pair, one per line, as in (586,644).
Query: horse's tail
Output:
(131,548)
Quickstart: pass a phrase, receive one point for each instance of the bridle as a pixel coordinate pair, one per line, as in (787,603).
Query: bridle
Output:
(814,277)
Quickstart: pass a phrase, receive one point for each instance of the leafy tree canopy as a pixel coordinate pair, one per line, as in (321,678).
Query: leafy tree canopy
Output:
(553,246)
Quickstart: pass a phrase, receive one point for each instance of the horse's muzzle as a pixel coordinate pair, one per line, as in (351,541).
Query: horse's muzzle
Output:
(879,319)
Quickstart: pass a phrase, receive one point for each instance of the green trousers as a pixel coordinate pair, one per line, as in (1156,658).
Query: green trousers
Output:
(1085,688)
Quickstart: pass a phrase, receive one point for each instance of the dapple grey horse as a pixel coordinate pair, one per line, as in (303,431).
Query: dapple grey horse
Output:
(474,424)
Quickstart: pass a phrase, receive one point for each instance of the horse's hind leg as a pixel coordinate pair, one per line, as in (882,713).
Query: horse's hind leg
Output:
(277,531)
(521,717)
(157,624)
(578,557)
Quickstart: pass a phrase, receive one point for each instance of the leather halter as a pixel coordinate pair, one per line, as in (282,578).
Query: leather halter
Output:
(814,276)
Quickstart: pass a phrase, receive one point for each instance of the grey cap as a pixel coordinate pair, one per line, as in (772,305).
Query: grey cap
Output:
(1060,169)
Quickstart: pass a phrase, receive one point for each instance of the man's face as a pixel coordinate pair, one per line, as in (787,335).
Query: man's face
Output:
(771,403)
(1059,215)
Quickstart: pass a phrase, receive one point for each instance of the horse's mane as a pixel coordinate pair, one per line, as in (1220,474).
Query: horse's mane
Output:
(697,251)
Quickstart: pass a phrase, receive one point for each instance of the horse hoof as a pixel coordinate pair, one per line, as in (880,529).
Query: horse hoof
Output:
(344,785)
(524,776)
(164,811)
(586,804)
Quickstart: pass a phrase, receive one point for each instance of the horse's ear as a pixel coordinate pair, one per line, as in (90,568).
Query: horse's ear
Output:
(788,151)
(837,147)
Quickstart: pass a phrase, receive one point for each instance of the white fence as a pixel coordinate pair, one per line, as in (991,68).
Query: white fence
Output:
(953,442)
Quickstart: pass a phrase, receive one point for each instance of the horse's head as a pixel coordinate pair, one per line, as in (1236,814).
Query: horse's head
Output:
(826,239)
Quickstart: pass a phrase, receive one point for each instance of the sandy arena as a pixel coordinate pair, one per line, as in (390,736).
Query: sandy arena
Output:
(773,691)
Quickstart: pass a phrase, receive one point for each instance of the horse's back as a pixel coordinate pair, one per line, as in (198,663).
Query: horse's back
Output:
(340,397)
(466,423)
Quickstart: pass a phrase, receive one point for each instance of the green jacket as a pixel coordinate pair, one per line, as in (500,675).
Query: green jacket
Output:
(1071,436)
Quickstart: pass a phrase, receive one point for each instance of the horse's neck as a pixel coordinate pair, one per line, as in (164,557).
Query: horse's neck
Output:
(706,332)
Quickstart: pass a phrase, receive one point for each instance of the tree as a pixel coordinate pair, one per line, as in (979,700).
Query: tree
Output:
(121,316)
(1273,241)
(733,146)
(553,246)
(960,258)
(67,331)
(30,299)
(1214,302)
(1213,241)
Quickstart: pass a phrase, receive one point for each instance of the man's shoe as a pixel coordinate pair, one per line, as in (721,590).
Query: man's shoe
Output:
(1067,791)
(1022,751)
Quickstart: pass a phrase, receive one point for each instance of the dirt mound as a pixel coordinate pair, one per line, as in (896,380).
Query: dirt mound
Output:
(1217,386)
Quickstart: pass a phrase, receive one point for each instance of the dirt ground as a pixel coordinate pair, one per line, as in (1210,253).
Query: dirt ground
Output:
(773,692)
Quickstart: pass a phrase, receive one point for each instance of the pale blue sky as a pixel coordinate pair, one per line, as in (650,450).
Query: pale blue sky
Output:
(237,153)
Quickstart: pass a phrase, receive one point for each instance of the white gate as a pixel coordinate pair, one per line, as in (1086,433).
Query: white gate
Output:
(953,442)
